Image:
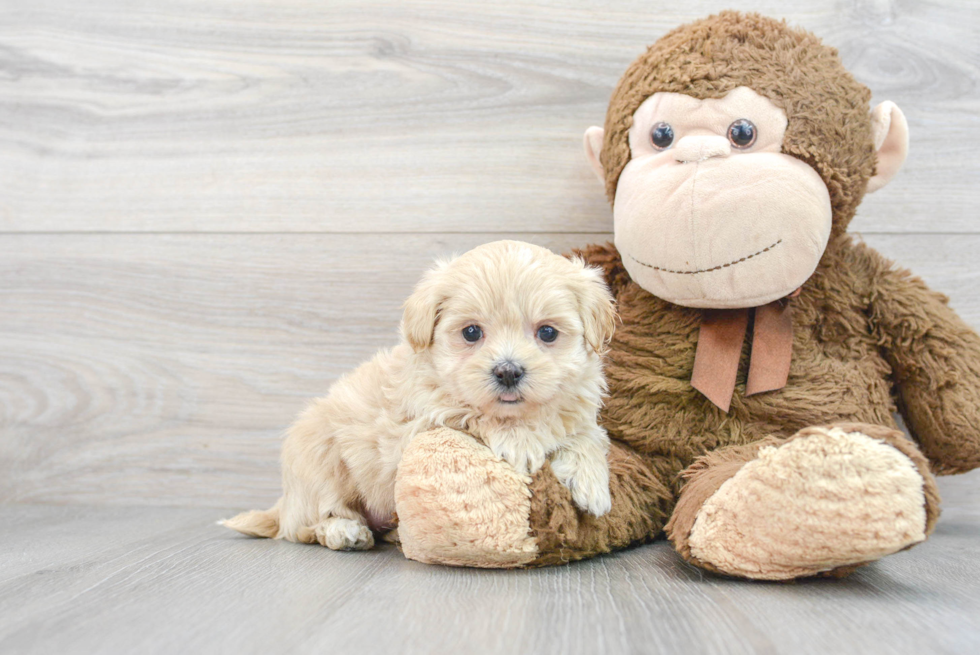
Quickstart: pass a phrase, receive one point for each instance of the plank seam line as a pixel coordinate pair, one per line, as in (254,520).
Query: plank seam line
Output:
(385,233)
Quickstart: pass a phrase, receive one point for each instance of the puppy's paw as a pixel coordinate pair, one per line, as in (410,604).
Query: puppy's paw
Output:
(343,534)
(587,479)
(592,498)
(516,458)
(534,458)
(525,458)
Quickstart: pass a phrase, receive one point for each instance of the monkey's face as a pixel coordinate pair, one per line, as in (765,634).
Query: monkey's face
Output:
(709,212)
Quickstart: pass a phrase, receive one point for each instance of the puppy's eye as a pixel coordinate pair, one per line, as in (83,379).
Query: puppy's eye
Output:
(662,135)
(547,333)
(742,133)
(472,333)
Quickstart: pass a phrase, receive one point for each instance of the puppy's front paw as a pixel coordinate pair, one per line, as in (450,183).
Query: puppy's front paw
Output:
(343,534)
(591,496)
(525,458)
(587,478)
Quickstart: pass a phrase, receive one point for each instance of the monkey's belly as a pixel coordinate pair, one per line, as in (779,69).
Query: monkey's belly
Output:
(653,408)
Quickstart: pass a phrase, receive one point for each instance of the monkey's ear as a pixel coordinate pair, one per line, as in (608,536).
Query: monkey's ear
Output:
(891,138)
(596,306)
(593,146)
(422,310)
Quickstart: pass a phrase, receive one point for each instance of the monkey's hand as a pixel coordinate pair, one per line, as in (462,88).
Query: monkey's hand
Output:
(460,505)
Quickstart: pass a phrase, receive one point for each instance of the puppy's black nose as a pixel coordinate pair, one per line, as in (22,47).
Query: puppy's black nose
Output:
(508,374)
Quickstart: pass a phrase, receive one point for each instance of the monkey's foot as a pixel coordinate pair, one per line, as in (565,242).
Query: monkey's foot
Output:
(821,502)
(458,504)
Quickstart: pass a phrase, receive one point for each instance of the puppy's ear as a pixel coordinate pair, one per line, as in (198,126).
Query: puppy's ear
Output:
(596,306)
(422,309)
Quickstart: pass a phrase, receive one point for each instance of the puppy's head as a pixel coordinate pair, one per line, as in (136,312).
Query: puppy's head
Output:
(510,325)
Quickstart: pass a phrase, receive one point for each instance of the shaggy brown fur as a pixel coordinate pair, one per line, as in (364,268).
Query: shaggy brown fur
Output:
(869,338)
(862,329)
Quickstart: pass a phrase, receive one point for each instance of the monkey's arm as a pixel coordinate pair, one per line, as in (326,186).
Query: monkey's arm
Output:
(935,360)
(458,504)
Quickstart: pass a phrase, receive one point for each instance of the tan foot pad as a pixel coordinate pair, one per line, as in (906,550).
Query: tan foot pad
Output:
(818,502)
(458,504)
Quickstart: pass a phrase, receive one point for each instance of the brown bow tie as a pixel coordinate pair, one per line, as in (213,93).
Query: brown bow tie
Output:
(720,347)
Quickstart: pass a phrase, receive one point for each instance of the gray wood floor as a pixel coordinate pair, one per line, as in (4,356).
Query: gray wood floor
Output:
(210,210)
(166,580)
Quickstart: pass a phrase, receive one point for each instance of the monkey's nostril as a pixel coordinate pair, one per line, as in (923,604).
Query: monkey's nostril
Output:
(508,374)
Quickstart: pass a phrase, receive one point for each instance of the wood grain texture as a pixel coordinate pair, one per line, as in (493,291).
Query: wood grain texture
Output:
(434,116)
(161,369)
(158,580)
(209,210)
(164,367)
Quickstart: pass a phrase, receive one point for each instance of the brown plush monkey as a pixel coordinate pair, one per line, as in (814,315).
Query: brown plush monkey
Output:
(762,351)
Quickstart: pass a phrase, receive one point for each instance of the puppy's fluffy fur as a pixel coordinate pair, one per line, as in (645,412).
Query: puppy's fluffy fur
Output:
(340,458)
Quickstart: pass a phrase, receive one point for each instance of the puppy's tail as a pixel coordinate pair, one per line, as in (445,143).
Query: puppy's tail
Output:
(257,523)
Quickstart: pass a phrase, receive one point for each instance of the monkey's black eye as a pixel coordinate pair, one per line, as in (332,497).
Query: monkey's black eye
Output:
(662,135)
(547,333)
(742,133)
(472,333)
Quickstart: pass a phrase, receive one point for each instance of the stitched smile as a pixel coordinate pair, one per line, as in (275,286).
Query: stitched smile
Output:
(706,270)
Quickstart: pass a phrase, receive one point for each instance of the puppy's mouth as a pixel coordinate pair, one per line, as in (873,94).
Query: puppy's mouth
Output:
(510,398)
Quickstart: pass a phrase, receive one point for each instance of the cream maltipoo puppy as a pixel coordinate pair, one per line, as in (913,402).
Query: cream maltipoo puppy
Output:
(503,343)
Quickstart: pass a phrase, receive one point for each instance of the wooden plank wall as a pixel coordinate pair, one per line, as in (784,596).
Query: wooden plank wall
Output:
(210,210)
